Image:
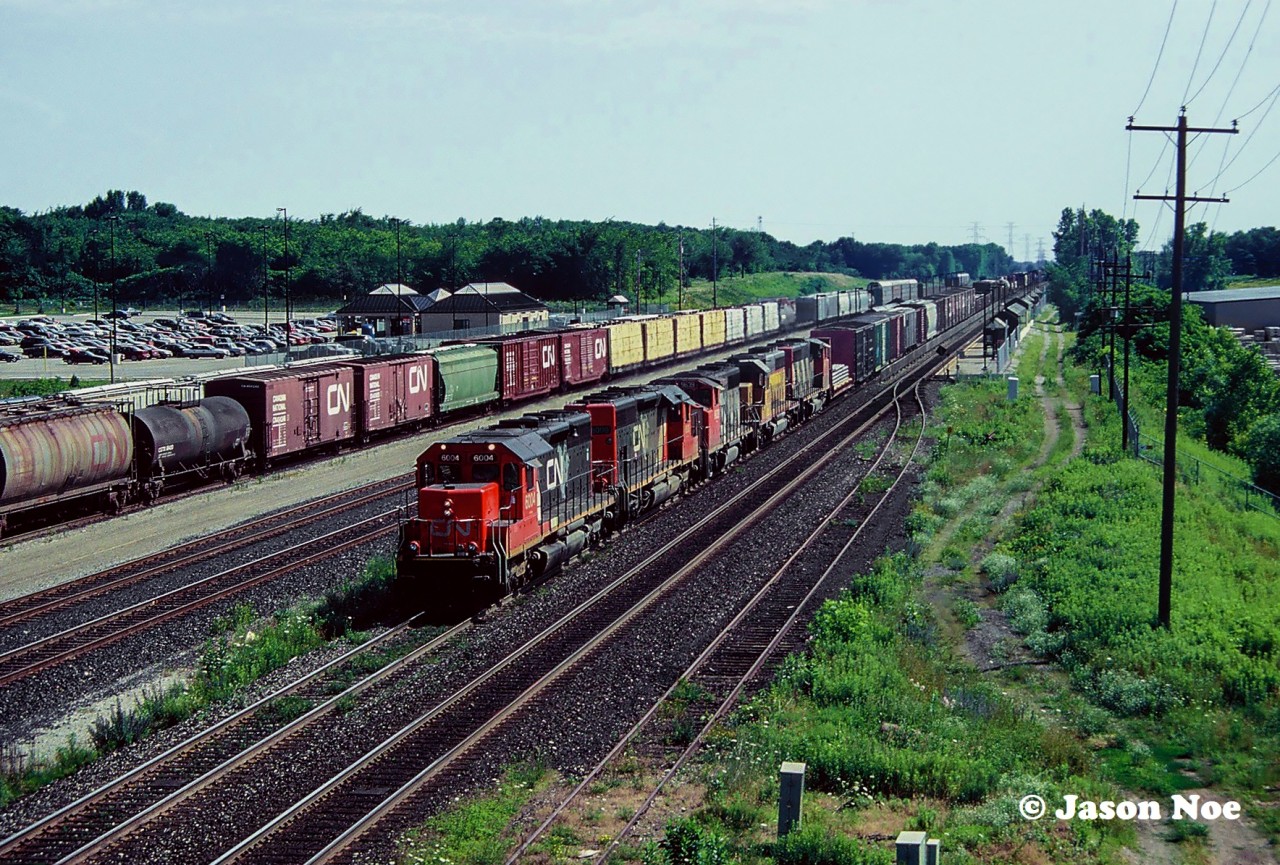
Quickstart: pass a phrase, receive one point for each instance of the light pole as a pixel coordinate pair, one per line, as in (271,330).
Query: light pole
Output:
(399,277)
(93,235)
(115,313)
(288,326)
(266,286)
(208,268)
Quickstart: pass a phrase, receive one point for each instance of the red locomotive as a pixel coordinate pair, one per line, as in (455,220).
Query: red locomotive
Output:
(504,506)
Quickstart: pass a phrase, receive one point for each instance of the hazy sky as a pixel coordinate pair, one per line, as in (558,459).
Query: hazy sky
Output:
(896,121)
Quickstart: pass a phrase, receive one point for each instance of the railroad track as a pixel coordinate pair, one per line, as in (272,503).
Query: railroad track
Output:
(449,726)
(199,759)
(58,648)
(31,607)
(741,654)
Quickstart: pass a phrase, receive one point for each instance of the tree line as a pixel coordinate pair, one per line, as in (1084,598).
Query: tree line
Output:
(154,253)
(1227,395)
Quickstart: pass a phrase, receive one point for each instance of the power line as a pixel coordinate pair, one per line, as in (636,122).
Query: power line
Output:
(1203,38)
(1232,89)
(1150,80)
(1224,52)
(1255,176)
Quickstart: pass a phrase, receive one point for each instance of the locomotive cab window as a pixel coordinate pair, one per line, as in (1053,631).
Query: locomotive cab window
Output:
(484,473)
(450,473)
(510,477)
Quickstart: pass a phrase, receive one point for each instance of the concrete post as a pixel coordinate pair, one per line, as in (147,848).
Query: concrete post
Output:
(1095,384)
(933,855)
(790,794)
(1013,388)
(910,848)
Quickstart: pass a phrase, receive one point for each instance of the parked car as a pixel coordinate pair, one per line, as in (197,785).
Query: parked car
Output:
(84,355)
(9,357)
(204,351)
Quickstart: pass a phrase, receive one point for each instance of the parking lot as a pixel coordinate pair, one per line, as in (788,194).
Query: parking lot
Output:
(157,344)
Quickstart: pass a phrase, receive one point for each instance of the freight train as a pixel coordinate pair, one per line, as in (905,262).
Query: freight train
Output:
(60,453)
(502,507)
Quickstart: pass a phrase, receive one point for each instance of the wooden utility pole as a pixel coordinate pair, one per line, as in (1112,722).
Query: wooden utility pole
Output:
(1175,346)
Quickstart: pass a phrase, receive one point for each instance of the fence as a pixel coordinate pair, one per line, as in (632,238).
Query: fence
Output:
(1191,470)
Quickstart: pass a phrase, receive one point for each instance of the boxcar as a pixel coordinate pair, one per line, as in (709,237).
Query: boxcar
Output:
(887,291)
(393,392)
(466,375)
(853,344)
(295,410)
(528,364)
(584,355)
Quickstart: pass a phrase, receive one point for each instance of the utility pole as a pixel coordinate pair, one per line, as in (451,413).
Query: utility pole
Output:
(115,308)
(715,265)
(1175,347)
(266,282)
(680,274)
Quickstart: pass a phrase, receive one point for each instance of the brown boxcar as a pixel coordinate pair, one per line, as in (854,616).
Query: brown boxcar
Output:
(584,355)
(294,410)
(528,364)
(392,392)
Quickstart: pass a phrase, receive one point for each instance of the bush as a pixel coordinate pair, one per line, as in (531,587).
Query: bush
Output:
(813,845)
(1001,569)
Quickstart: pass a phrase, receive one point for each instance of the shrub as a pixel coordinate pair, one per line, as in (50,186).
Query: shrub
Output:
(1001,569)
(813,845)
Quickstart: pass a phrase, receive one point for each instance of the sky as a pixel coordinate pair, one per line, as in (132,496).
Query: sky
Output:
(901,121)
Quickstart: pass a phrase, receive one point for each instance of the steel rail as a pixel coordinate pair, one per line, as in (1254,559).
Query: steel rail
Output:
(30,606)
(151,612)
(697,663)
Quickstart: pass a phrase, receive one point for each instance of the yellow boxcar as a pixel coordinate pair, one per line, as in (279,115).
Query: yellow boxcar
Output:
(659,338)
(712,327)
(626,345)
(688,333)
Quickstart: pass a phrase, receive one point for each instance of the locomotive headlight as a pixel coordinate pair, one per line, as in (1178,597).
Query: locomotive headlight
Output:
(448,504)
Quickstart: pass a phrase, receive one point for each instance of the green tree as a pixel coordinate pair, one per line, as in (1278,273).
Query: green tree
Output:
(1262,443)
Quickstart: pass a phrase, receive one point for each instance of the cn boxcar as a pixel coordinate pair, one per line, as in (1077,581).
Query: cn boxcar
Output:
(292,411)
(393,392)
(528,364)
(584,355)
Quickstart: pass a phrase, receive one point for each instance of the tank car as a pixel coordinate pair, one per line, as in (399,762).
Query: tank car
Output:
(187,443)
(53,452)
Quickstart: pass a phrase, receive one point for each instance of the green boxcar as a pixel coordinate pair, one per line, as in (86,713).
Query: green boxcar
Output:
(466,375)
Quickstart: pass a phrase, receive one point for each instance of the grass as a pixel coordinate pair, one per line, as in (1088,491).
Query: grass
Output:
(752,287)
(473,832)
(242,648)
